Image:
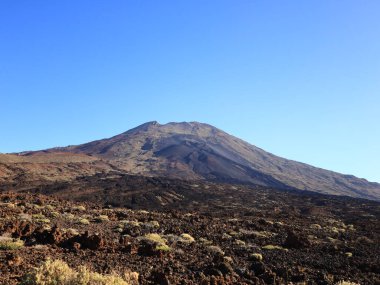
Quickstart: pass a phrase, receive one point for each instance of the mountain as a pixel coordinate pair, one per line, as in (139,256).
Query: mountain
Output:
(196,151)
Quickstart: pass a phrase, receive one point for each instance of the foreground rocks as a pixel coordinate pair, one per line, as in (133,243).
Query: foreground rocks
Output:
(270,241)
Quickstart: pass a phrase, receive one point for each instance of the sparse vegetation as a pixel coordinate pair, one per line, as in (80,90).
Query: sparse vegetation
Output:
(59,273)
(159,241)
(151,224)
(73,232)
(79,208)
(155,238)
(101,218)
(205,241)
(69,216)
(7,243)
(84,221)
(239,242)
(274,247)
(54,214)
(49,207)
(256,256)
(348,254)
(129,224)
(143,240)
(186,238)
(8,205)
(215,249)
(315,226)
(40,218)
(163,247)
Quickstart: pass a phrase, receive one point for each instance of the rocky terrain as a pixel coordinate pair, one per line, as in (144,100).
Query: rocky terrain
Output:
(49,168)
(243,236)
(191,151)
(183,203)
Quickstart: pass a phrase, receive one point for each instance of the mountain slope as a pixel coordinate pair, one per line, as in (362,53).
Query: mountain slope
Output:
(200,151)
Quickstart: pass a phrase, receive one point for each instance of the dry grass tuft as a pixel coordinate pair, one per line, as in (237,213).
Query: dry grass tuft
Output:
(7,243)
(59,273)
(186,238)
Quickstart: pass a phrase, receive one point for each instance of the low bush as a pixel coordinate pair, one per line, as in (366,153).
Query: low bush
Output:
(186,238)
(274,247)
(215,249)
(101,218)
(7,243)
(79,208)
(59,273)
(159,241)
(83,221)
(256,256)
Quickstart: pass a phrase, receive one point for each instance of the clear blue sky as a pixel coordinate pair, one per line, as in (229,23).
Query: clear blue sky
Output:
(300,79)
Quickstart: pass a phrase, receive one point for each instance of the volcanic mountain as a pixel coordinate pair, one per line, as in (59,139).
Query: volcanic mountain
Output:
(197,151)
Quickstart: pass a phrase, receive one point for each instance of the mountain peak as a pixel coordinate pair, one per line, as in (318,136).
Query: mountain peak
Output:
(194,150)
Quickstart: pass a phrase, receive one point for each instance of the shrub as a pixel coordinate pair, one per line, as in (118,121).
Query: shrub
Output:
(7,243)
(69,216)
(239,242)
(159,241)
(215,249)
(55,214)
(205,241)
(315,226)
(72,231)
(79,208)
(273,247)
(151,224)
(59,273)
(39,218)
(155,238)
(129,224)
(226,236)
(101,218)
(163,247)
(50,207)
(186,238)
(256,256)
(84,221)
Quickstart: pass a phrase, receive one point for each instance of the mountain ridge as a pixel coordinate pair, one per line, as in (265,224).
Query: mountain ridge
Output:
(194,150)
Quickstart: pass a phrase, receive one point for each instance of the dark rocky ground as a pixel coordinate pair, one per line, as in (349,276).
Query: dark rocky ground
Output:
(242,234)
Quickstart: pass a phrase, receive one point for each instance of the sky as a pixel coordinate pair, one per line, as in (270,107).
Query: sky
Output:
(300,79)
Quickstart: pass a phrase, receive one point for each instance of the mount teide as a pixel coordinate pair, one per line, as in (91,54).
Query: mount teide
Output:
(194,151)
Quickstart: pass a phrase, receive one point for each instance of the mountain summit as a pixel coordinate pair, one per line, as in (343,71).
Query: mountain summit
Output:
(192,151)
